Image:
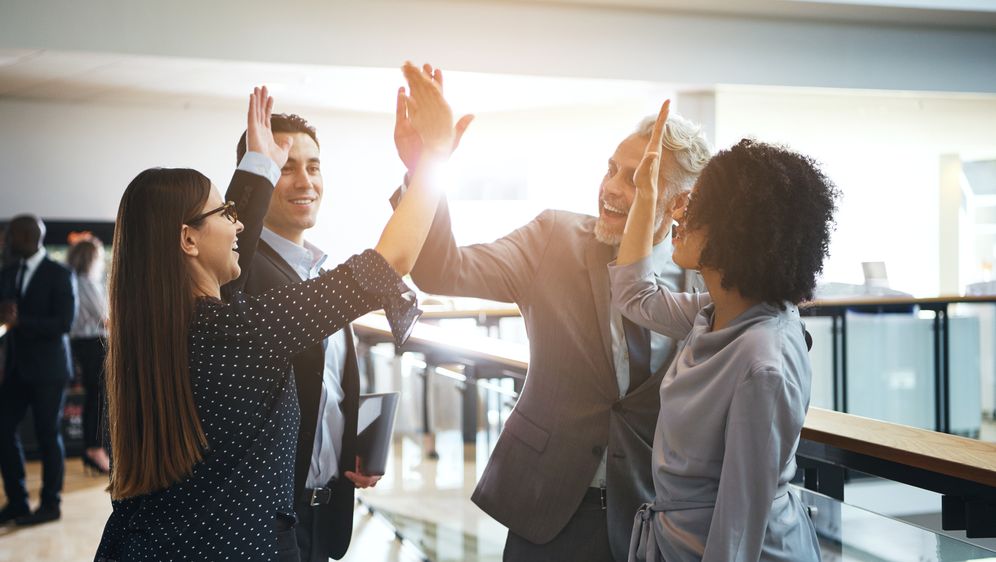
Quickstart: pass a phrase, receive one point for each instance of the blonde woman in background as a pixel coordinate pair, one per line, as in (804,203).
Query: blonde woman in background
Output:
(88,338)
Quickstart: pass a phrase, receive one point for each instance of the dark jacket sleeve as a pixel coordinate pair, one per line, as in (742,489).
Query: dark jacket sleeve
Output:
(59,318)
(251,194)
(503,270)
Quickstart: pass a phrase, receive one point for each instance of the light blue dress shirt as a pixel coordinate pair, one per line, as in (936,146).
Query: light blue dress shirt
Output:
(261,165)
(307,262)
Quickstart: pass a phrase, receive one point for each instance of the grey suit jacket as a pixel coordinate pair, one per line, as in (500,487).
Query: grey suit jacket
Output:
(569,410)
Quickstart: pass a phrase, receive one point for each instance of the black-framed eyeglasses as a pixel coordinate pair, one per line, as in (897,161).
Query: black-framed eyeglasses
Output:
(227,210)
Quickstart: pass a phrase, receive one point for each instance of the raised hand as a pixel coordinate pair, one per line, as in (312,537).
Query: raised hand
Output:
(647,174)
(406,139)
(638,237)
(259,135)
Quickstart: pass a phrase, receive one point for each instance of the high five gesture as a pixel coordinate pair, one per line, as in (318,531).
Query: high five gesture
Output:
(638,237)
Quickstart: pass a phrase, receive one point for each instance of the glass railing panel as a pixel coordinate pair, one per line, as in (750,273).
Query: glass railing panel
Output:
(852,534)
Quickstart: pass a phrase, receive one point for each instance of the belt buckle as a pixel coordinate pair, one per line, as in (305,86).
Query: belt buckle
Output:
(314,497)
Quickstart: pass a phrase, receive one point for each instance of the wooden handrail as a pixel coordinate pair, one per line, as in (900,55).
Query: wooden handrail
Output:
(899,301)
(940,453)
(496,310)
(948,455)
(500,352)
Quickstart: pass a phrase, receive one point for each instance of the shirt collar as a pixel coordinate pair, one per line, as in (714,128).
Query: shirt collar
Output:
(304,258)
(660,254)
(36,259)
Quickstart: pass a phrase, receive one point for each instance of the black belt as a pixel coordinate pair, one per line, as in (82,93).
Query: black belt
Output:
(317,496)
(595,496)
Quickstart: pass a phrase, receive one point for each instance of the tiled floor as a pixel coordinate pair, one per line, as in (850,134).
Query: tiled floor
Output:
(426,501)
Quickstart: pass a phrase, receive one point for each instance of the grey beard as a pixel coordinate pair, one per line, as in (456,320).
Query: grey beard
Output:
(605,236)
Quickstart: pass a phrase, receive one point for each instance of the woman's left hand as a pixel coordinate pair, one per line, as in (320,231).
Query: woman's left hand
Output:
(259,135)
(647,174)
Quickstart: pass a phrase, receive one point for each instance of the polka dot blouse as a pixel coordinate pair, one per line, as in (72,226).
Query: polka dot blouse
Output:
(240,367)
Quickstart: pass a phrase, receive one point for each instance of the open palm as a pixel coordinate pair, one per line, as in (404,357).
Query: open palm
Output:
(406,139)
(259,134)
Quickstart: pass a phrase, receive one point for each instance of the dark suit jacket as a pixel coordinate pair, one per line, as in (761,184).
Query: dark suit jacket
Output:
(38,347)
(569,411)
(267,271)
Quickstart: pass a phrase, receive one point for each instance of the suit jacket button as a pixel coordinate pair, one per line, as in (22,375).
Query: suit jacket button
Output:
(596,451)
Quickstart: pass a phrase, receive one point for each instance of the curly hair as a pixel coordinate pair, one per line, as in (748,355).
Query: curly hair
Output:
(769,213)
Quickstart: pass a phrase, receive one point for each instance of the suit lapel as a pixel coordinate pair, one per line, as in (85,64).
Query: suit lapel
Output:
(597,258)
(279,262)
(36,278)
(350,404)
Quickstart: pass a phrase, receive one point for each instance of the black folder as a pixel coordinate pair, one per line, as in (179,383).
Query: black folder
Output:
(374,429)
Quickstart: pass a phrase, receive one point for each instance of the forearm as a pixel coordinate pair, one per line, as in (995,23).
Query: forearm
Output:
(251,188)
(638,296)
(405,232)
(638,236)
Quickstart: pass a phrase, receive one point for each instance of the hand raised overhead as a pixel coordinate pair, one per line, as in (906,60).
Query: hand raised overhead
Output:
(427,110)
(647,174)
(259,135)
(406,138)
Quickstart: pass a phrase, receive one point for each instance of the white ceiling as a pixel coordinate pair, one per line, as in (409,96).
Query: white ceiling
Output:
(91,77)
(114,78)
(957,13)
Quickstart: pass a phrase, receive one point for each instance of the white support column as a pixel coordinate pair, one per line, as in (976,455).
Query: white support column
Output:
(950,226)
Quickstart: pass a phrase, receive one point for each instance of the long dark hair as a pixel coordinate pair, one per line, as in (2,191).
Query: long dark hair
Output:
(156,433)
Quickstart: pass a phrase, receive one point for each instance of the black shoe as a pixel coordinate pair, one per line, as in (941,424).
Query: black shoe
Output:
(10,513)
(43,514)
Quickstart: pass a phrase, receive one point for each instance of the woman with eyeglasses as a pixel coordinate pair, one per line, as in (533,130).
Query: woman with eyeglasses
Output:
(757,227)
(203,409)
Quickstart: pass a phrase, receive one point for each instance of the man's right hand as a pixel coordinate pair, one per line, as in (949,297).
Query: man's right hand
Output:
(259,135)
(407,139)
(8,314)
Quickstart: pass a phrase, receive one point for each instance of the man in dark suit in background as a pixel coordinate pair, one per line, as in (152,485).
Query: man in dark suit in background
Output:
(37,303)
(327,377)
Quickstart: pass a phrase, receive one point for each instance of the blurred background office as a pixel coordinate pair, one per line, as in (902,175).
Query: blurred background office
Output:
(896,98)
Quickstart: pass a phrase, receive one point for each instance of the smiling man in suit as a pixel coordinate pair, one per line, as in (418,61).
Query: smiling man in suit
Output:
(572,465)
(327,377)
(37,303)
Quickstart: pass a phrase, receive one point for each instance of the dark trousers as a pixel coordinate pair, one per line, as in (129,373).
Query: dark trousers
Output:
(307,527)
(286,540)
(46,402)
(584,539)
(90,354)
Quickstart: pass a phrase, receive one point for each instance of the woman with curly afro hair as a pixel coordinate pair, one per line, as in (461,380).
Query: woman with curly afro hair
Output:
(757,226)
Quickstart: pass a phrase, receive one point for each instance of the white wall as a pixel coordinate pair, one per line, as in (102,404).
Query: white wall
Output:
(883,150)
(73,161)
